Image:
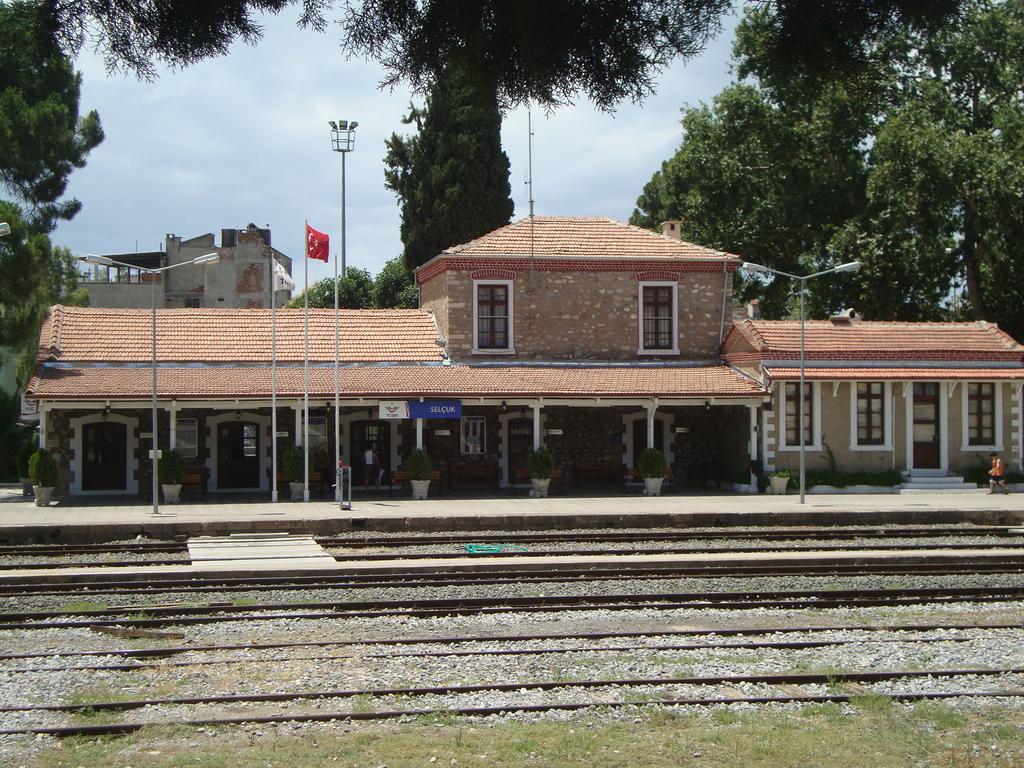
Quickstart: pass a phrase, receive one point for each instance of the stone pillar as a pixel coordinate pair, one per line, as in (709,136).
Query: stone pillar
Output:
(42,425)
(650,425)
(419,434)
(536,426)
(753,432)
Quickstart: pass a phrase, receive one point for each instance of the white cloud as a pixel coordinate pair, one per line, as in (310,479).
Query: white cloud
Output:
(245,138)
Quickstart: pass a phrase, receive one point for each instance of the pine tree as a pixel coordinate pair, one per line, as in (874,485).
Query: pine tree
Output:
(452,177)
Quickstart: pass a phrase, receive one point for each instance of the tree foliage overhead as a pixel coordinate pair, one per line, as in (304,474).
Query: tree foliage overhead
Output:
(451,178)
(42,137)
(910,165)
(544,51)
(392,288)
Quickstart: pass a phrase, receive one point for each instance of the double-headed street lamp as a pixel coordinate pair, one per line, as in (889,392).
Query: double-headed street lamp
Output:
(104,261)
(851,266)
(343,140)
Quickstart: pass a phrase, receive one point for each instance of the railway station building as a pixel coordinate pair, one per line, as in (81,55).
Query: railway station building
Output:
(590,336)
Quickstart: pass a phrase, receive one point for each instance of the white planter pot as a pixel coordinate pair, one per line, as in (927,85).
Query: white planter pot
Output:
(652,486)
(540,487)
(26,487)
(419,488)
(43,495)
(779,485)
(172,492)
(297,491)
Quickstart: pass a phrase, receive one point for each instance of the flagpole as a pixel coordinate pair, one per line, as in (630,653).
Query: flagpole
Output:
(273,378)
(305,376)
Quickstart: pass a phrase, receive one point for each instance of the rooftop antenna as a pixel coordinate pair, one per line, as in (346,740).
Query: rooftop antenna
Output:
(529,172)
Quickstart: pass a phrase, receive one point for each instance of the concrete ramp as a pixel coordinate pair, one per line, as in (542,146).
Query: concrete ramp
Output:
(258,552)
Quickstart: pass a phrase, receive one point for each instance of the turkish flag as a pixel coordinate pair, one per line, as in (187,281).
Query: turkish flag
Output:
(317,244)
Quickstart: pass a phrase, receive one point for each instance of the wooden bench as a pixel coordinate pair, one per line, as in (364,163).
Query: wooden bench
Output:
(401,476)
(609,471)
(522,476)
(473,472)
(195,478)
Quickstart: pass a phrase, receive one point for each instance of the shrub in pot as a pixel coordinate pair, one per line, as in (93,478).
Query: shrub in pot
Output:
(779,481)
(171,469)
(652,467)
(24,455)
(42,469)
(540,464)
(417,464)
(292,463)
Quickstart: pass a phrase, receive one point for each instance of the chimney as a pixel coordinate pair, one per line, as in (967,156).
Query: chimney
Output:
(754,309)
(672,228)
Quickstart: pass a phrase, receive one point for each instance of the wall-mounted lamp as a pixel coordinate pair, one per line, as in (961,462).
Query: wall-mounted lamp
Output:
(707,405)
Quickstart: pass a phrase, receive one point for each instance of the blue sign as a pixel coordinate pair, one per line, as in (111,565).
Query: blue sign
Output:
(435,409)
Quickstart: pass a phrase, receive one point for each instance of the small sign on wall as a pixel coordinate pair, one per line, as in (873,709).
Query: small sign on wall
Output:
(393,409)
(554,431)
(443,432)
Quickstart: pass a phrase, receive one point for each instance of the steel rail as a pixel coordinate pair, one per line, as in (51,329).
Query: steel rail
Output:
(783,645)
(676,535)
(719,632)
(471,606)
(327,717)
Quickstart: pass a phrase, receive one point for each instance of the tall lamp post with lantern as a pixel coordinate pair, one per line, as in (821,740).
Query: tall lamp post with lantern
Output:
(343,140)
(851,266)
(104,261)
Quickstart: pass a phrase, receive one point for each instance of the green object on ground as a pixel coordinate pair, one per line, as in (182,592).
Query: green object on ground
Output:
(493,549)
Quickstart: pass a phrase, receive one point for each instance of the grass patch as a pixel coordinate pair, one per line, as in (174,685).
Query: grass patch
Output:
(822,736)
(240,602)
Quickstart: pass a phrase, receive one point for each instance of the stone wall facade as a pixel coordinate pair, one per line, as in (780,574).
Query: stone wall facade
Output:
(581,315)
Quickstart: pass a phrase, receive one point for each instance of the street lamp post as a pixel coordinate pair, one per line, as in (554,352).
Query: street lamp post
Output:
(851,266)
(104,261)
(343,140)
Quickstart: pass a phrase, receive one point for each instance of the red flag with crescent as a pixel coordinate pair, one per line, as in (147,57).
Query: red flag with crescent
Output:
(317,244)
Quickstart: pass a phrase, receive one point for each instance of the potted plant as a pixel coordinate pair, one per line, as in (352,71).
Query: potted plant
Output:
(652,467)
(417,464)
(291,462)
(42,469)
(24,455)
(171,468)
(540,463)
(779,481)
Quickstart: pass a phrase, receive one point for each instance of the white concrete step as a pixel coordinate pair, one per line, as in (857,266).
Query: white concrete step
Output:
(932,480)
(916,483)
(943,491)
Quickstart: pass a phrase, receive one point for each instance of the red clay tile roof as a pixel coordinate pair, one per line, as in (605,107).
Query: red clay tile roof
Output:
(878,340)
(88,335)
(581,237)
(396,381)
(894,374)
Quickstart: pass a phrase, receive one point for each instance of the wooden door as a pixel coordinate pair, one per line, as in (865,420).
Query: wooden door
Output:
(238,455)
(926,428)
(520,440)
(370,435)
(640,438)
(105,460)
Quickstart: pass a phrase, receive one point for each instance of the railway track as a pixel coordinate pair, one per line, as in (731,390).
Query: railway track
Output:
(779,534)
(161,584)
(157,616)
(504,708)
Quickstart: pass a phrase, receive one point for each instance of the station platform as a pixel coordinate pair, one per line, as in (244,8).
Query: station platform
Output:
(97,520)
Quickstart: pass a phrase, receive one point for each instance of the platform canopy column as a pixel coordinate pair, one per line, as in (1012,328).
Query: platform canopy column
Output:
(298,423)
(536,426)
(651,409)
(419,434)
(753,432)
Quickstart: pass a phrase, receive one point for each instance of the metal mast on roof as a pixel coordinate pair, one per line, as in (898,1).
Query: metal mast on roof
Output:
(529,174)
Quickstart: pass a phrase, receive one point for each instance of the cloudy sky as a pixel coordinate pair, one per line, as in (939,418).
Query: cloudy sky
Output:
(245,138)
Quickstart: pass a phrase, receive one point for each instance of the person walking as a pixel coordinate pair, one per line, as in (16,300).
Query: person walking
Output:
(996,478)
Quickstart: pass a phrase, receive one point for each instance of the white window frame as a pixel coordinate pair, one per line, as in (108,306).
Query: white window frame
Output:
(511,348)
(887,408)
(815,445)
(463,445)
(674,285)
(180,426)
(997,418)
